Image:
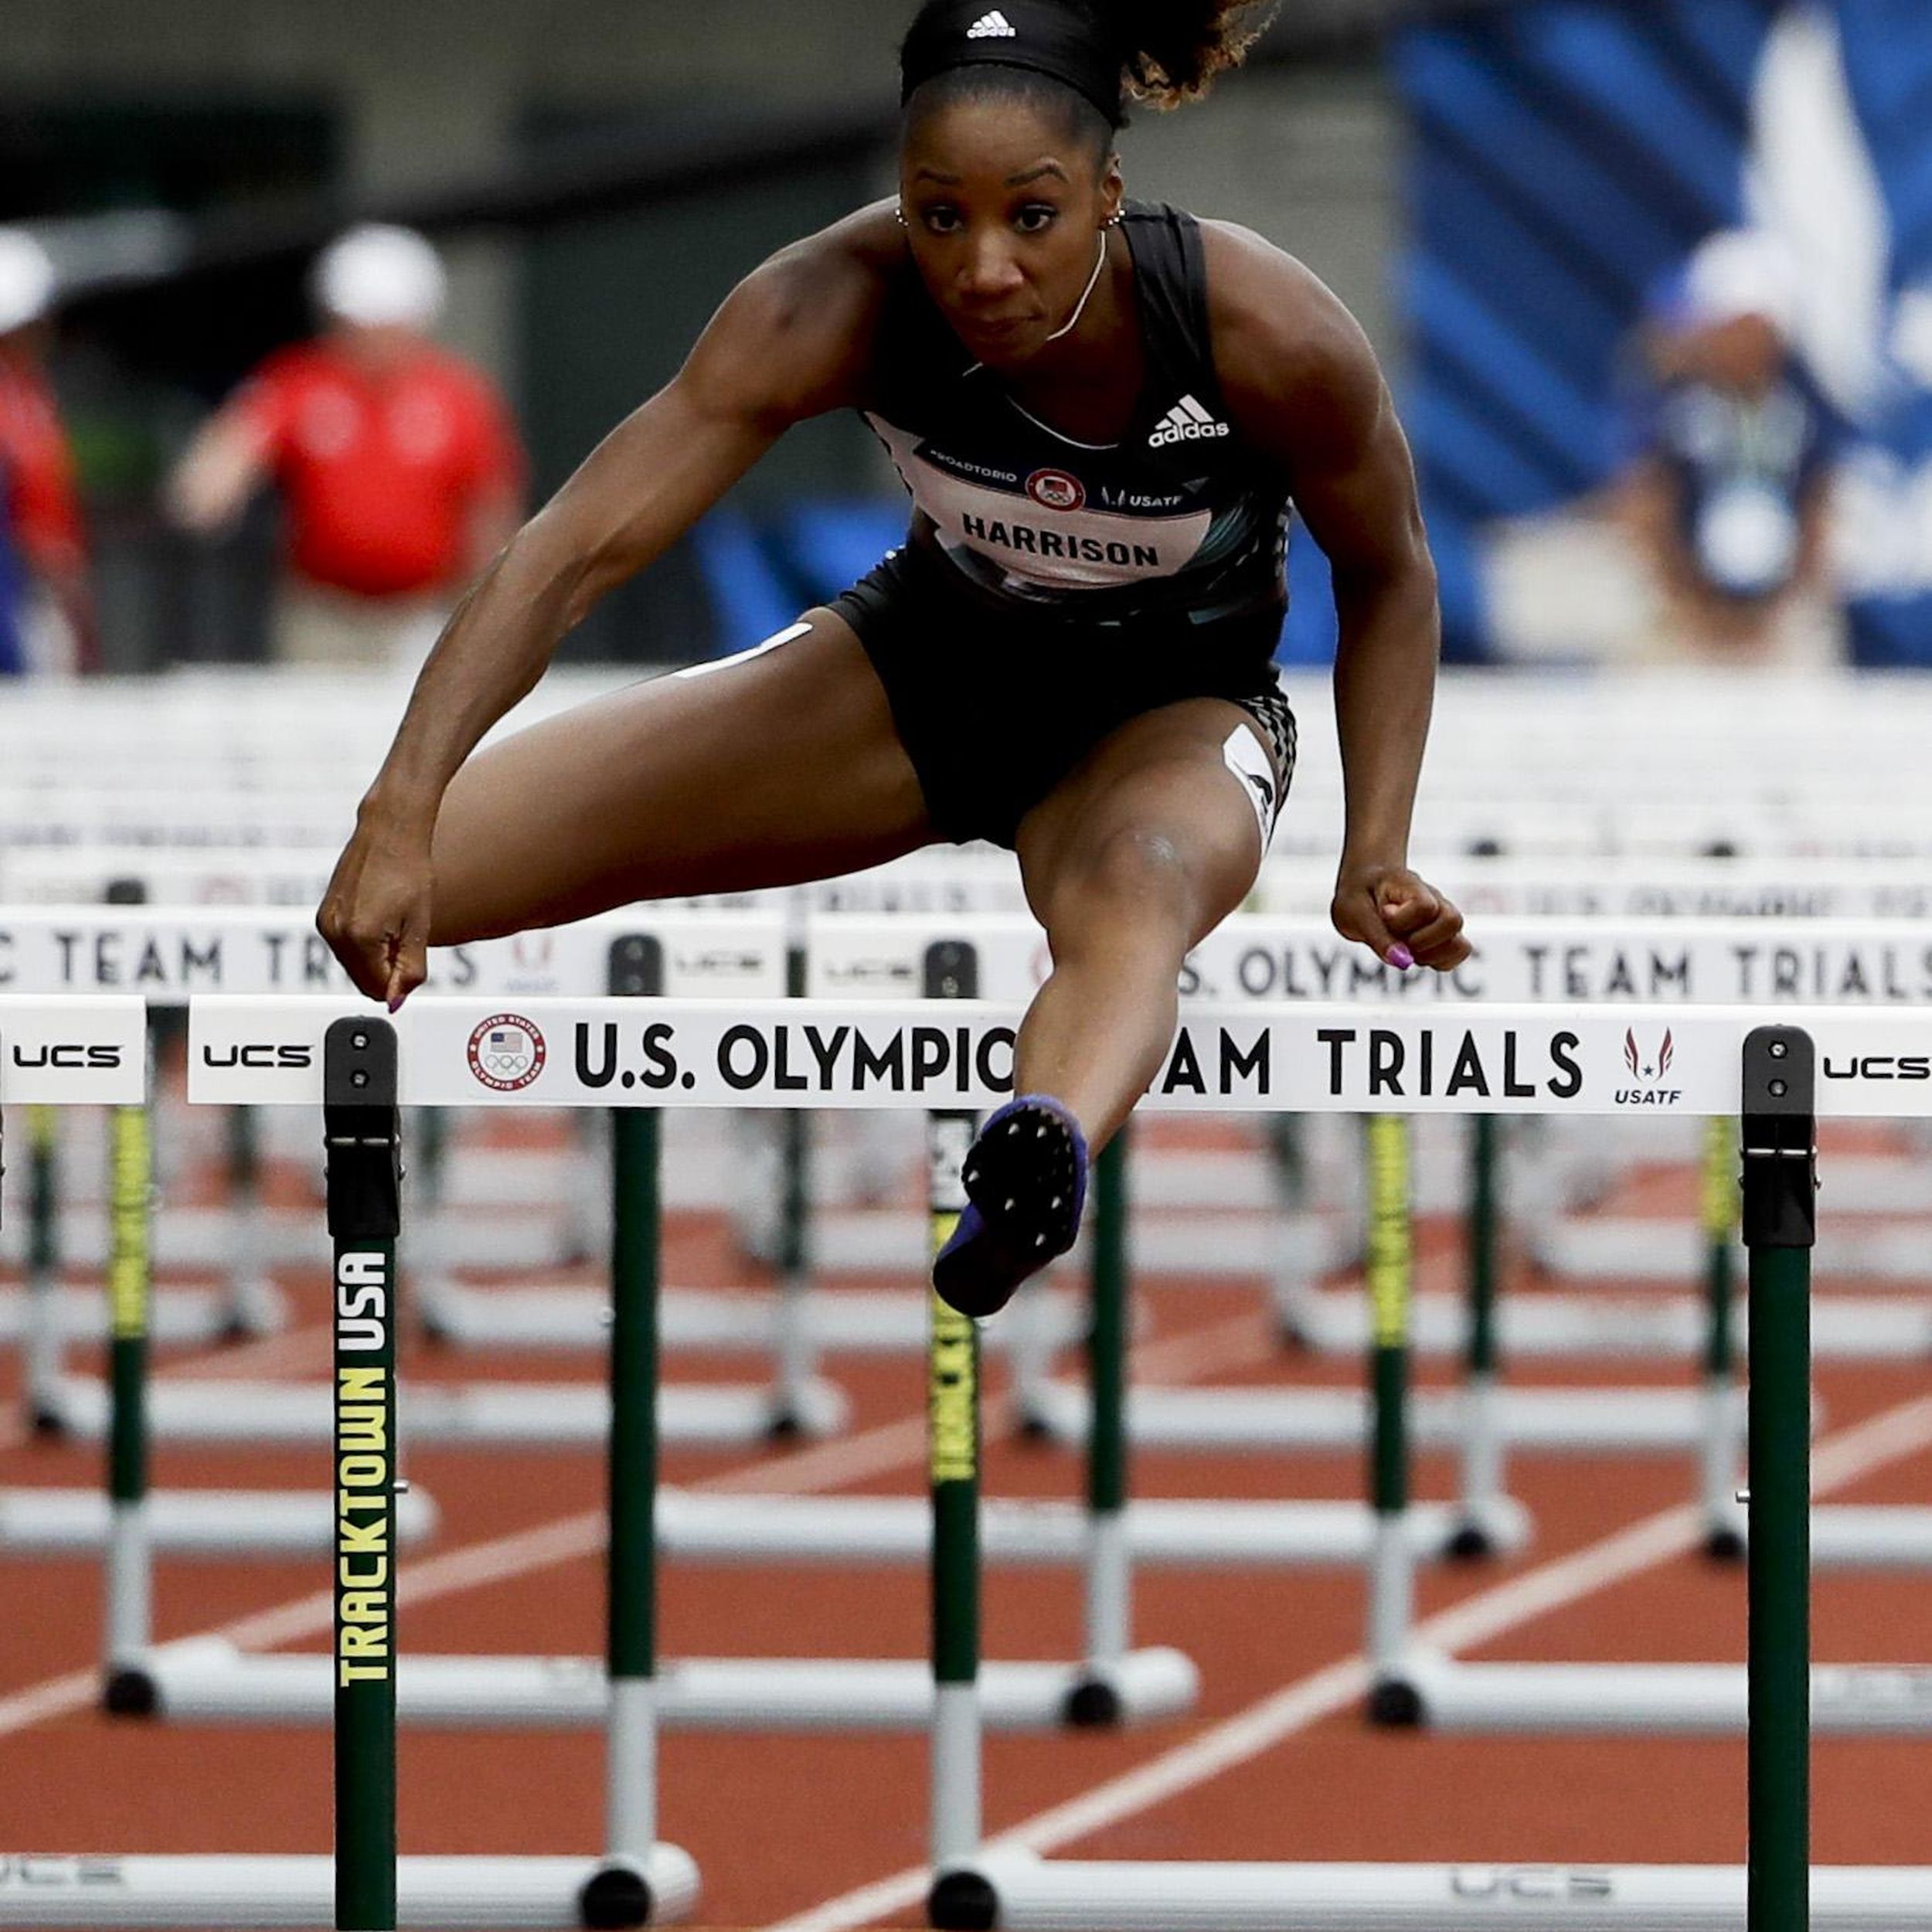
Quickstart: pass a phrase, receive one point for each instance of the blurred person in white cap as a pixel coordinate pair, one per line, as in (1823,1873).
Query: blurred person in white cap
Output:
(46,611)
(399,474)
(1726,496)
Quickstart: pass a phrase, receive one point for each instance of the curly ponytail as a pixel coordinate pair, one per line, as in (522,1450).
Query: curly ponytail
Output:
(1174,48)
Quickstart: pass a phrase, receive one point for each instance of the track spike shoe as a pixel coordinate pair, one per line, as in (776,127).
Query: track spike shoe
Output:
(1025,1183)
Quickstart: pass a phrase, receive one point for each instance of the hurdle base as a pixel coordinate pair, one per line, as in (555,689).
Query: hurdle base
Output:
(1845,1328)
(211,1523)
(458,1894)
(1094,1704)
(622,1893)
(1160,1531)
(1020,1893)
(203,1241)
(1393,1703)
(1604,1247)
(253,1307)
(482,1415)
(207,1680)
(889,1240)
(874,1321)
(177,1318)
(1882,1536)
(1679,1700)
(1635,1421)
(1724,1544)
(129,1690)
(962,1902)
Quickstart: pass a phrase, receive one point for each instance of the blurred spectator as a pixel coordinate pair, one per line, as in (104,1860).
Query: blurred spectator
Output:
(399,474)
(1727,497)
(46,615)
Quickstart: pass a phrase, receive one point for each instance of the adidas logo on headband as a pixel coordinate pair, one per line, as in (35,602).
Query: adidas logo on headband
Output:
(992,26)
(1187,422)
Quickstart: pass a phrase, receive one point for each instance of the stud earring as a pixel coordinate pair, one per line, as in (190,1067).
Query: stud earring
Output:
(899,216)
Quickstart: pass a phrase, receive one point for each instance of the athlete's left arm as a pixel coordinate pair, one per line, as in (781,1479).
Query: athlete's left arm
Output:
(1302,385)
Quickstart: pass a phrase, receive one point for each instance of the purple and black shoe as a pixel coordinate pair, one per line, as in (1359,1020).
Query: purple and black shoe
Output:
(1026,1181)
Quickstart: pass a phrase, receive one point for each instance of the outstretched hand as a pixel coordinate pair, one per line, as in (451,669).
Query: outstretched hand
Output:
(1399,917)
(375,915)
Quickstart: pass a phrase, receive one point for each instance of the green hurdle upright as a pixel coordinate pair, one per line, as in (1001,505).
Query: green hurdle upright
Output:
(953,1450)
(1482,1440)
(363,1135)
(1779,1136)
(42,1338)
(619,1893)
(797,1356)
(1718,1210)
(1391,1292)
(1109,1609)
(128,1575)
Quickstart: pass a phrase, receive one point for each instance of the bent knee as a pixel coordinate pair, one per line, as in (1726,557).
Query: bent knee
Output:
(1137,871)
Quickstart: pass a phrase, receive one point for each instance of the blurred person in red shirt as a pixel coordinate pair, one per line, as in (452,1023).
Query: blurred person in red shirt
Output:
(46,612)
(399,473)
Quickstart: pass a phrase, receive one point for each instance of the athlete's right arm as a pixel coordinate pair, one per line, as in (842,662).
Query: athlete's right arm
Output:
(792,340)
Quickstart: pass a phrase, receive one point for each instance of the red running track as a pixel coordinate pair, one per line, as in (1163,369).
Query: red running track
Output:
(785,1828)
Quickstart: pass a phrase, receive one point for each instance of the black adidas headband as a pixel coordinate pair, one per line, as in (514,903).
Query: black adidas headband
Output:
(1059,38)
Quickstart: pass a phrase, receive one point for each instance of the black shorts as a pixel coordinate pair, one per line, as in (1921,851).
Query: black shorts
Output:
(995,708)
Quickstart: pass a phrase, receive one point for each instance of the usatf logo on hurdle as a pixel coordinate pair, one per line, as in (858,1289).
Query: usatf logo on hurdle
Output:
(1648,1070)
(506,1053)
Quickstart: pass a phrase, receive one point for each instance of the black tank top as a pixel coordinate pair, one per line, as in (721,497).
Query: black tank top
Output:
(1177,518)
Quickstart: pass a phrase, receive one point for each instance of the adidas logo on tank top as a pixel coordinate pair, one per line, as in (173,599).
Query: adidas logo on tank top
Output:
(992,26)
(1187,422)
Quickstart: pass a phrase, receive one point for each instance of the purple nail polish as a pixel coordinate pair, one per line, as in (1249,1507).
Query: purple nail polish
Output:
(1401,958)
(395,1004)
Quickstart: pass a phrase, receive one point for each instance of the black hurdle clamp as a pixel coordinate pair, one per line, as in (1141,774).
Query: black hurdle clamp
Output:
(1778,1142)
(362,1130)
(633,969)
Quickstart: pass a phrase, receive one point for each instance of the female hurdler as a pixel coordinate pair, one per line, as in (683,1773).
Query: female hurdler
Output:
(1103,412)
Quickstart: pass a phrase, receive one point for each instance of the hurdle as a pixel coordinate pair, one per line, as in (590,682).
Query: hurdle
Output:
(1524,958)
(639,1880)
(1259,957)
(1726,960)
(127,1522)
(797,1324)
(46,1316)
(844,951)
(1615,885)
(172,955)
(365,1884)
(43,1316)
(1770,1085)
(210,1682)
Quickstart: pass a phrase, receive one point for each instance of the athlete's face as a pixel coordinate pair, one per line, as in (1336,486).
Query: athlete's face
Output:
(1004,211)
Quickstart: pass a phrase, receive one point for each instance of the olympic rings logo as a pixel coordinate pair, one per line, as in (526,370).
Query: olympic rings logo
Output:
(1056,490)
(506,1053)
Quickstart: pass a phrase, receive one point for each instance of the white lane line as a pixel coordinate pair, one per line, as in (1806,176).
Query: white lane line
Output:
(890,1446)
(58,1697)
(1837,1462)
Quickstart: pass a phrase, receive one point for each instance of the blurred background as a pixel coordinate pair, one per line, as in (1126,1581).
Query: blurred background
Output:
(1652,279)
